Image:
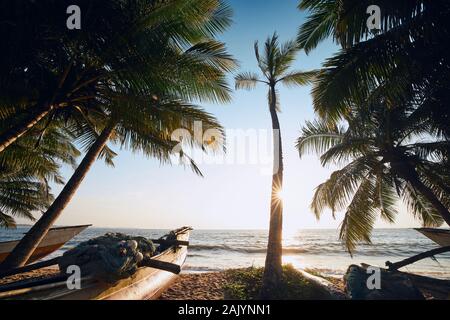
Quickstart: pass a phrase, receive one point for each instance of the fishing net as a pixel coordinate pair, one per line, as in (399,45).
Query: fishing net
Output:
(110,257)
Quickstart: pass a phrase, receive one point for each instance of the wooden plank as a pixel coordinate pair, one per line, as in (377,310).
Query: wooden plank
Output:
(32,283)
(146,283)
(439,236)
(420,256)
(438,288)
(162,265)
(30,267)
(171,242)
(55,239)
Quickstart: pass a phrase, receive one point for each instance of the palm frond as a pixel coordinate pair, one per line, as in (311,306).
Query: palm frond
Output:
(284,57)
(339,189)
(246,81)
(318,137)
(385,197)
(319,25)
(298,78)
(360,217)
(261,60)
(421,208)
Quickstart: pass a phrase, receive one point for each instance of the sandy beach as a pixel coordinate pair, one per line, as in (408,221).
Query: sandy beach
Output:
(208,286)
(37,274)
(188,286)
(199,286)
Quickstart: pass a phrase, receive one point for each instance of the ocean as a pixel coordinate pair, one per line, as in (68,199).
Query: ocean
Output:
(215,250)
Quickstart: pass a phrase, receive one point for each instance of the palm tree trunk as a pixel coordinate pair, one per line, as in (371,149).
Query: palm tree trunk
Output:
(9,136)
(25,248)
(408,172)
(273,270)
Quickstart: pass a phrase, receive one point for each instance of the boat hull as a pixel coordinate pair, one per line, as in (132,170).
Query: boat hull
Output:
(55,239)
(146,284)
(439,236)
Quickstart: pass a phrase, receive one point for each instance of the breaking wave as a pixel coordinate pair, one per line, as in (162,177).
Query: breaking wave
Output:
(241,249)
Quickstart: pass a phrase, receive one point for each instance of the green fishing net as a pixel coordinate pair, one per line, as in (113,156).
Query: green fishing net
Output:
(110,257)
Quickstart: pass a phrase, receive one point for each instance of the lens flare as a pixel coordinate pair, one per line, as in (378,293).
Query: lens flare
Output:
(280,194)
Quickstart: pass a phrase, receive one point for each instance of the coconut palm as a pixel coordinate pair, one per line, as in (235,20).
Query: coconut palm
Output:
(142,98)
(345,21)
(412,33)
(274,65)
(405,66)
(384,159)
(48,71)
(26,169)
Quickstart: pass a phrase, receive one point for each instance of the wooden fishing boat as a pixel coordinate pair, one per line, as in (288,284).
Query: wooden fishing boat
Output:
(396,284)
(146,284)
(55,239)
(440,236)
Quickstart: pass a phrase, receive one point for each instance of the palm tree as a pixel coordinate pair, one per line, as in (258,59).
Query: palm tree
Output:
(405,66)
(49,72)
(274,65)
(26,169)
(412,33)
(384,160)
(142,100)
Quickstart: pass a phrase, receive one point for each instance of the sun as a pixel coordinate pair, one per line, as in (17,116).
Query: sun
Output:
(280,194)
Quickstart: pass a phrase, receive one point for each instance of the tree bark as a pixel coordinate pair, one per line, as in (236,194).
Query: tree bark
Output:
(25,248)
(273,270)
(9,136)
(408,172)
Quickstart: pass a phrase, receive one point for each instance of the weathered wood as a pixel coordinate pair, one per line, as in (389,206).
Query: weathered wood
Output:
(30,267)
(438,288)
(54,261)
(421,256)
(32,283)
(55,239)
(171,242)
(162,265)
(146,283)
(331,290)
(54,283)
(361,285)
(439,236)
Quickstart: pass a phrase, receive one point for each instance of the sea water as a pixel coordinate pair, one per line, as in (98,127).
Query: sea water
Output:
(215,250)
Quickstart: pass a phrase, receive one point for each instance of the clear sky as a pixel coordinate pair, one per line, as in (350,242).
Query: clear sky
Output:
(140,193)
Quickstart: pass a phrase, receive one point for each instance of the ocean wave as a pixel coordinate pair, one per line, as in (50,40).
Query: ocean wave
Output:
(196,255)
(241,249)
(189,268)
(310,249)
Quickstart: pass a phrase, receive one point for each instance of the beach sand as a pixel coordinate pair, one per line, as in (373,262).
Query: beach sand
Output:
(38,274)
(201,286)
(209,286)
(197,286)
(188,286)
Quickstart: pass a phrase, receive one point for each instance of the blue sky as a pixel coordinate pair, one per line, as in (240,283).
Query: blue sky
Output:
(140,193)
